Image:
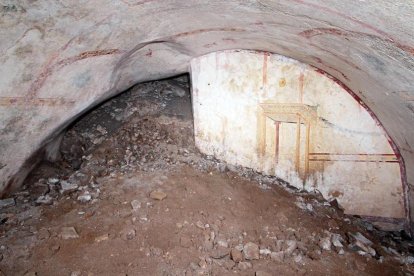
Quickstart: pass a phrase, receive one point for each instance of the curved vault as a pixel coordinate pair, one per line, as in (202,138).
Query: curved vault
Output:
(57,60)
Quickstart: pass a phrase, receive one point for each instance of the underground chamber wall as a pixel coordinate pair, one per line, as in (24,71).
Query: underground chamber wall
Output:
(143,191)
(248,105)
(285,118)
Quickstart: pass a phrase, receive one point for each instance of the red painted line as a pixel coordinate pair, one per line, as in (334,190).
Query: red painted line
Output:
(319,60)
(85,55)
(200,31)
(345,33)
(229,40)
(384,219)
(23,101)
(209,45)
(46,71)
(363,154)
(277,134)
(264,70)
(344,160)
(346,61)
(362,103)
(136,3)
(51,66)
(329,10)
(301,83)
(394,147)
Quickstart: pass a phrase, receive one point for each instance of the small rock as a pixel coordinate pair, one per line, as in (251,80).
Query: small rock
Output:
(53,181)
(7,202)
(262,273)
(362,248)
(158,195)
(219,252)
(277,256)
(75,273)
(68,233)
(244,265)
(200,225)
(84,197)
(361,244)
(208,245)
(222,168)
(300,203)
(391,250)
(222,243)
(298,258)
(251,251)
(45,200)
(309,207)
(325,243)
(239,247)
(291,245)
(136,205)
(229,264)
(202,264)
(265,252)
(236,255)
(67,188)
(279,245)
(409,260)
(101,238)
(359,237)
(337,240)
(102,130)
(213,236)
(128,234)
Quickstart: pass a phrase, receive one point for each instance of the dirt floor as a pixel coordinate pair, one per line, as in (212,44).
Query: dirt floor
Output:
(133,196)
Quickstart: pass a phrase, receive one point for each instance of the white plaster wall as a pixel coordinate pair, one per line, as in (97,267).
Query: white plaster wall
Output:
(228,88)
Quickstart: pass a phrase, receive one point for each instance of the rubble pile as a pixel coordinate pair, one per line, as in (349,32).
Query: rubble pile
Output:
(131,180)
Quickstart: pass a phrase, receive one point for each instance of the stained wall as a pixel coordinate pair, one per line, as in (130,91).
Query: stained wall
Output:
(285,118)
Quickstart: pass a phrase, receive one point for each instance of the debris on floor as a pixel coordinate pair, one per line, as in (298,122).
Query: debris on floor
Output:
(133,196)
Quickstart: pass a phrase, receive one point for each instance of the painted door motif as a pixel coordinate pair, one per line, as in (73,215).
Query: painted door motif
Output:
(288,126)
